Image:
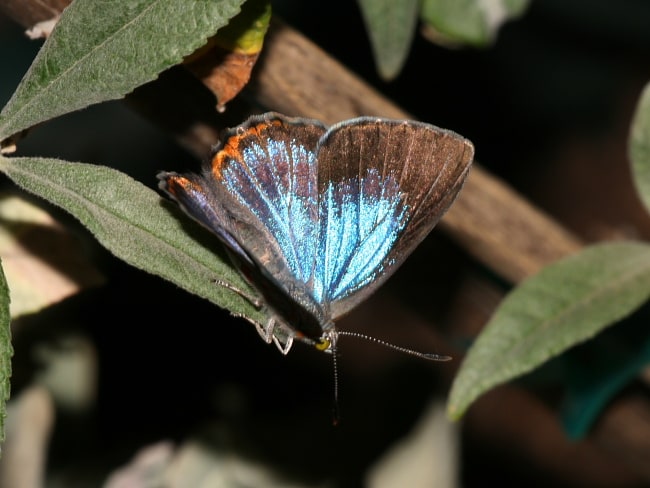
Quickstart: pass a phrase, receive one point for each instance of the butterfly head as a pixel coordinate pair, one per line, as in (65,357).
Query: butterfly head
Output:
(327,342)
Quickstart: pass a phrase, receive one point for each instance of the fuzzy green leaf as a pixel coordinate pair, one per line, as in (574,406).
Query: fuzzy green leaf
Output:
(391,26)
(136,224)
(6,351)
(473,22)
(246,33)
(102,50)
(564,304)
(639,148)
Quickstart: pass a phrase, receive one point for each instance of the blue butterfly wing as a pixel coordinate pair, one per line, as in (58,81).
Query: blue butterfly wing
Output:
(317,219)
(258,194)
(266,175)
(383,186)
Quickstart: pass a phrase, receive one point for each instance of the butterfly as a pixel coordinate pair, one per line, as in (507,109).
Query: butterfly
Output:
(314,218)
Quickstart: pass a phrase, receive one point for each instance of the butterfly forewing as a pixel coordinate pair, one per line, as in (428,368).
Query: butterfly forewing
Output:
(402,177)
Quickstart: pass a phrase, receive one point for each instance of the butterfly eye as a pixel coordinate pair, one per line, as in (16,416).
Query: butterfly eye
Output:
(323,344)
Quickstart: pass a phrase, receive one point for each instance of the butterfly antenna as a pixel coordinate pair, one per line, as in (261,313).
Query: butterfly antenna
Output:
(423,355)
(337,413)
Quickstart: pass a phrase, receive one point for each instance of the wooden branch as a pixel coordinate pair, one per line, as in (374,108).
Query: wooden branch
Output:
(626,429)
(489,219)
(294,76)
(28,13)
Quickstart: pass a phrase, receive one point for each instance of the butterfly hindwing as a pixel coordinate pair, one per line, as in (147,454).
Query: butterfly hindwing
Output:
(198,201)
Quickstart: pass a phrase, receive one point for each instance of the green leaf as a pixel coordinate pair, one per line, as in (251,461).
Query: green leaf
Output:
(135,224)
(639,147)
(473,22)
(245,34)
(391,26)
(103,50)
(564,304)
(6,351)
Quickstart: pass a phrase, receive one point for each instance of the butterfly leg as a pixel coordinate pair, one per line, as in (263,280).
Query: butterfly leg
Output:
(261,329)
(266,331)
(271,332)
(281,337)
(285,346)
(256,302)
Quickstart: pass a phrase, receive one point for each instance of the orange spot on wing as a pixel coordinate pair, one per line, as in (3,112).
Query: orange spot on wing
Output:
(231,150)
(178,183)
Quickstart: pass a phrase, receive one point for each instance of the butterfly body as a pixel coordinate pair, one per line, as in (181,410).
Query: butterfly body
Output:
(316,218)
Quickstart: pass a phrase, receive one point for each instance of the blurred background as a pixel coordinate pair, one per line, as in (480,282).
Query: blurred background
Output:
(132,366)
